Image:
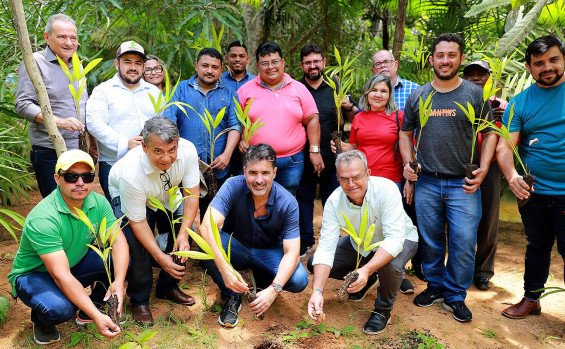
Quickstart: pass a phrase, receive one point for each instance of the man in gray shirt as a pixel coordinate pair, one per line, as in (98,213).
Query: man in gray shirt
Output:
(62,40)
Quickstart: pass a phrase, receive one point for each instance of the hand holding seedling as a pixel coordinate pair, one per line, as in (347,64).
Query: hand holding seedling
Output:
(263,301)
(519,187)
(166,262)
(105,326)
(220,162)
(344,146)
(70,124)
(409,173)
(116,288)
(233,281)
(357,285)
(472,185)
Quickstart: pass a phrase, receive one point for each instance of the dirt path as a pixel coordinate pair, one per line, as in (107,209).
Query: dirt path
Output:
(286,325)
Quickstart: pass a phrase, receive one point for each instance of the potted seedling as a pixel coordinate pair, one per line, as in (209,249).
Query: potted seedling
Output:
(345,81)
(362,237)
(173,202)
(211,124)
(104,240)
(80,77)
(249,128)
(424,112)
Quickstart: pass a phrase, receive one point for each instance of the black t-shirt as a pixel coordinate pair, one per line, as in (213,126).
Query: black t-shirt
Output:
(445,144)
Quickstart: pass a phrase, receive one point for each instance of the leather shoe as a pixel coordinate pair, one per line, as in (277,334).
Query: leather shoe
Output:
(177,296)
(142,315)
(482,283)
(524,308)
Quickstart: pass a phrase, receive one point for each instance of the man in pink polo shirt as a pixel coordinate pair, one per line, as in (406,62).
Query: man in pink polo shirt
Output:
(286,106)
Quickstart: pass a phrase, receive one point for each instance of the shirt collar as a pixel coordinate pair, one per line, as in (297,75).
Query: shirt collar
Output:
(117,82)
(246,76)
(194,83)
(270,201)
(51,57)
(287,81)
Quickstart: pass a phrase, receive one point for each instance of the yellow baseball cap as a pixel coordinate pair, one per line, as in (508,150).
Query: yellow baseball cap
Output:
(71,157)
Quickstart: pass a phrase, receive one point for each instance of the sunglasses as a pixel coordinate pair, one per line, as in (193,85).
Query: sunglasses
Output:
(71,177)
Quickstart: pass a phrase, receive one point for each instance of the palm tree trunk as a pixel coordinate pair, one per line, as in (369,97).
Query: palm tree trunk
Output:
(399,31)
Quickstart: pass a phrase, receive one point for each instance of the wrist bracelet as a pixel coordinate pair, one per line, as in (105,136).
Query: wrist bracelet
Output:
(317,289)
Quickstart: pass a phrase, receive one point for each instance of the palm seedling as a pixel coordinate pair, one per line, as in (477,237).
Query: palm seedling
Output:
(362,237)
(80,77)
(163,101)
(249,128)
(341,89)
(424,112)
(477,124)
(104,240)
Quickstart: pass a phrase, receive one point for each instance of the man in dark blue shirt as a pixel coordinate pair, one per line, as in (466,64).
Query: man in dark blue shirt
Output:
(237,59)
(262,219)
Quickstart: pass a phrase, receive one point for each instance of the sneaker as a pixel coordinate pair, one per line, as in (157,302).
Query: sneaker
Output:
(82,319)
(372,282)
(377,322)
(406,287)
(427,298)
(460,311)
(305,250)
(228,317)
(45,334)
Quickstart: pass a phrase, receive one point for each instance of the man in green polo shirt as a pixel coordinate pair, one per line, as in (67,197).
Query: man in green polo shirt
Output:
(53,263)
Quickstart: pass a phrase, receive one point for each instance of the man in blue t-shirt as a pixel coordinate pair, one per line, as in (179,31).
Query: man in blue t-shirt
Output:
(539,123)
(259,222)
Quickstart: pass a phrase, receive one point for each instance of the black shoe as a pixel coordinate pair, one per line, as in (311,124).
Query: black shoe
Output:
(460,311)
(45,334)
(372,282)
(304,250)
(482,283)
(82,319)
(228,317)
(406,287)
(377,322)
(430,296)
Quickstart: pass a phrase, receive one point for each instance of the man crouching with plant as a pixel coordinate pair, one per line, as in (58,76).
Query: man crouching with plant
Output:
(258,220)
(369,209)
(54,263)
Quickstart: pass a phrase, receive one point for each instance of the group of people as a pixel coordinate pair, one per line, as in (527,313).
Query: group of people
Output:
(265,202)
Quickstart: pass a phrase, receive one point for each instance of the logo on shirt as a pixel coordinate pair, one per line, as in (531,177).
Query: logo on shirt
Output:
(443,112)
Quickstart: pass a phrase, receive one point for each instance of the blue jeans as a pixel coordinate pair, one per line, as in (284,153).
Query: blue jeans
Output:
(43,161)
(49,305)
(438,201)
(307,193)
(140,273)
(289,171)
(103,173)
(263,261)
(544,221)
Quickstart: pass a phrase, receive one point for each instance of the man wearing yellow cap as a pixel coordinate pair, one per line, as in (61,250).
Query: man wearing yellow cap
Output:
(54,263)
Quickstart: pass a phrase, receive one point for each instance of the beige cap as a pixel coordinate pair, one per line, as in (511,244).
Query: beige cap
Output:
(130,47)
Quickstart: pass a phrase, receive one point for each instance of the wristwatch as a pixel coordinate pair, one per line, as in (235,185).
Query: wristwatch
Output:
(277,287)
(314,149)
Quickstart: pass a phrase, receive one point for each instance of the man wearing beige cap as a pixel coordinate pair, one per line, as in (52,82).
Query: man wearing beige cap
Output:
(54,264)
(118,108)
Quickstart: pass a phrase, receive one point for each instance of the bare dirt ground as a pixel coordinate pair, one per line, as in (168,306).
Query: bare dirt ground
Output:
(286,325)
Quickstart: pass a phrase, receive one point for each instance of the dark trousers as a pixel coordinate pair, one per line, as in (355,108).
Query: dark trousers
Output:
(140,273)
(307,193)
(544,221)
(49,305)
(487,234)
(103,173)
(44,161)
(390,275)
(206,200)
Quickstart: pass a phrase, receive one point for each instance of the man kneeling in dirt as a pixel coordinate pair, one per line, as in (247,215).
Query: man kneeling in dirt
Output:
(260,218)
(54,264)
(336,256)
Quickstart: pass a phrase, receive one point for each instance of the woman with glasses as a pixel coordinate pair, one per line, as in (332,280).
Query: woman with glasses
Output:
(154,73)
(374,131)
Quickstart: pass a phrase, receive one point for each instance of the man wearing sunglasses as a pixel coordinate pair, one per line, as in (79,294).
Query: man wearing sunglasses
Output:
(336,256)
(118,108)
(152,171)
(54,264)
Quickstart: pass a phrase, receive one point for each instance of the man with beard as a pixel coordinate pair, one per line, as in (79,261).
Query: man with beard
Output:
(207,92)
(442,193)
(118,108)
(313,62)
(539,122)
(258,219)
(237,59)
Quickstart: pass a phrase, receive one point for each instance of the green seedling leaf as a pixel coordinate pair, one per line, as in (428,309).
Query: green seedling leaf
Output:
(216,234)
(337,55)
(4,306)
(193,255)
(98,252)
(76,66)
(102,231)
(146,335)
(76,338)
(73,92)
(89,67)
(154,202)
(353,235)
(219,117)
(201,242)
(128,345)
(369,237)
(80,215)
(229,249)
(363,225)
(65,68)
(80,90)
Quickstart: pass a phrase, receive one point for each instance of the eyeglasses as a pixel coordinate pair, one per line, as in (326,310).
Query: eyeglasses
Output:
(166,179)
(275,63)
(71,177)
(158,69)
(309,63)
(382,64)
(355,179)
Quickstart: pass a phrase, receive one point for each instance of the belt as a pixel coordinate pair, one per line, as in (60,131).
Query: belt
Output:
(442,175)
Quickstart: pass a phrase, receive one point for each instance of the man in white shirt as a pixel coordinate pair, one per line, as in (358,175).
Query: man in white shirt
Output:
(162,162)
(118,108)
(336,256)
